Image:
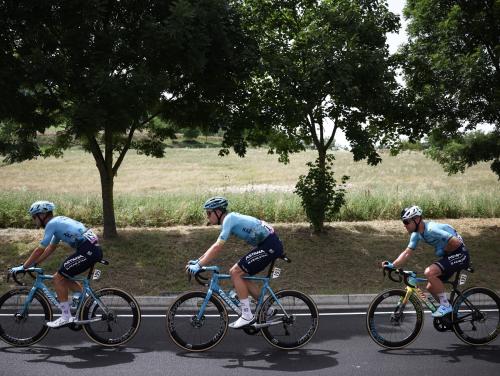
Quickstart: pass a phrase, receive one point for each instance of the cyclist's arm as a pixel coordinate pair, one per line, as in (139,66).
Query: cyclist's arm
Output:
(403,258)
(41,254)
(211,253)
(33,257)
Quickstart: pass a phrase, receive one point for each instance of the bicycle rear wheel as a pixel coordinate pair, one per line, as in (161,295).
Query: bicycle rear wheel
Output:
(19,328)
(191,333)
(390,324)
(119,314)
(475,317)
(295,319)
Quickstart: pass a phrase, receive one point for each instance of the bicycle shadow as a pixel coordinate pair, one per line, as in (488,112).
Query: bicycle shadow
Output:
(456,354)
(79,357)
(274,360)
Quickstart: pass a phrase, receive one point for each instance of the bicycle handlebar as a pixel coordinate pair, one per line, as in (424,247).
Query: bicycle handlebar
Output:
(403,275)
(30,272)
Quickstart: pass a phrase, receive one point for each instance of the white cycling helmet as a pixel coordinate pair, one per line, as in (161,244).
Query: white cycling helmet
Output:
(41,207)
(411,212)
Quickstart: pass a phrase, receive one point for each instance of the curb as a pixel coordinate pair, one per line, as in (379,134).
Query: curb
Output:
(346,301)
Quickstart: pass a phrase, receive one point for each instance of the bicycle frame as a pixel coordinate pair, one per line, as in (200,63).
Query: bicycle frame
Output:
(413,289)
(214,288)
(39,284)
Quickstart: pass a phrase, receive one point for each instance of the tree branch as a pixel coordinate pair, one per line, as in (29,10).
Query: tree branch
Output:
(332,137)
(97,153)
(126,147)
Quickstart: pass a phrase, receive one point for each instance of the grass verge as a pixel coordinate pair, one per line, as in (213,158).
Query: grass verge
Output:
(345,259)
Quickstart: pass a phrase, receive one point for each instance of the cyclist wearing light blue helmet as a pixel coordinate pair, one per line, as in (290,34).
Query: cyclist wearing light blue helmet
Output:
(448,245)
(86,252)
(266,247)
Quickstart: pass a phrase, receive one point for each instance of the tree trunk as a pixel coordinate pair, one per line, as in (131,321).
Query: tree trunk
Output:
(104,164)
(108,210)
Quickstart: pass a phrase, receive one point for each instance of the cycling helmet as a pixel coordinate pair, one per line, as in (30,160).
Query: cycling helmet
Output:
(411,212)
(41,207)
(217,202)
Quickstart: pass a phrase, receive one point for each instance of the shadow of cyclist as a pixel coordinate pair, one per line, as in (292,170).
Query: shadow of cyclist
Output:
(78,357)
(300,360)
(456,354)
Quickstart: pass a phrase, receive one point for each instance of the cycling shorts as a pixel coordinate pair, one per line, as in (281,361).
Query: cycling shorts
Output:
(86,255)
(453,262)
(261,256)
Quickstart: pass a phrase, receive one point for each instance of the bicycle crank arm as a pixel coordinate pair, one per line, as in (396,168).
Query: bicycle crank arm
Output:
(266,324)
(82,322)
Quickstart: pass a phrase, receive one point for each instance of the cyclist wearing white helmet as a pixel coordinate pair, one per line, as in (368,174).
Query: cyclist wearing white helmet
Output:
(84,242)
(448,245)
(261,236)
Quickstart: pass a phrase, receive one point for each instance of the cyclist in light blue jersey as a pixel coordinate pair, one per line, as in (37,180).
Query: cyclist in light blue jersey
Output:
(266,247)
(84,242)
(448,245)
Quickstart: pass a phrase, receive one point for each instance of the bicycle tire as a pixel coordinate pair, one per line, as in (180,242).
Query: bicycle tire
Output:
(299,318)
(119,324)
(476,316)
(391,329)
(191,334)
(28,330)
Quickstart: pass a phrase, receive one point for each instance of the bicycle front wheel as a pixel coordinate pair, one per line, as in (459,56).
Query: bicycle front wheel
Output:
(475,316)
(19,327)
(293,318)
(115,318)
(392,324)
(190,331)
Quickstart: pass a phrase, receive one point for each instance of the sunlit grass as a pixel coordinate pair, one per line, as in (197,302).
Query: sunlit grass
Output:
(170,191)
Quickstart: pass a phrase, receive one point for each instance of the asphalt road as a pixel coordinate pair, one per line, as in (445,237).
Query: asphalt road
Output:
(341,347)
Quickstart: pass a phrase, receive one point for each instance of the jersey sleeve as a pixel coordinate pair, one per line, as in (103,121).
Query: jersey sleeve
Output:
(48,236)
(225,232)
(414,238)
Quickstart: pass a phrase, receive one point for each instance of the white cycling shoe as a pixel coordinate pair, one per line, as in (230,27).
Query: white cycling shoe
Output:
(241,322)
(60,322)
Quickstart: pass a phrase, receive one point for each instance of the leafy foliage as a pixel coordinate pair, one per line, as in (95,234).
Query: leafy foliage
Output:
(452,70)
(103,70)
(320,198)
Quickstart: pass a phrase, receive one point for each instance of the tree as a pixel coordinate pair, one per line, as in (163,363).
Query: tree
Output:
(325,67)
(452,72)
(102,70)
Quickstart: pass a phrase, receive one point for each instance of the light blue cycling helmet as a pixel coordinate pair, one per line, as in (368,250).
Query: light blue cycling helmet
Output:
(39,207)
(217,202)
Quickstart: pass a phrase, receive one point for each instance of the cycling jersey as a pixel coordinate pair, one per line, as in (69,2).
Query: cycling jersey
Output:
(68,230)
(435,234)
(250,229)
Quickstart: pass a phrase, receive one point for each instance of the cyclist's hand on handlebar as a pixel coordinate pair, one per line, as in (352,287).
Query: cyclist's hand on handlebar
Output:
(17,269)
(192,262)
(388,265)
(193,268)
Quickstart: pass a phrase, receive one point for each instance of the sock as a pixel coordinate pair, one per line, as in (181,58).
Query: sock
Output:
(246,312)
(65,310)
(443,300)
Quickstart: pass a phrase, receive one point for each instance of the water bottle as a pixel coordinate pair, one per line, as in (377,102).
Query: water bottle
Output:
(75,299)
(234,297)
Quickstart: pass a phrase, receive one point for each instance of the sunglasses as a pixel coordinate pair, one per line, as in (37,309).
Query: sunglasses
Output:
(209,213)
(406,222)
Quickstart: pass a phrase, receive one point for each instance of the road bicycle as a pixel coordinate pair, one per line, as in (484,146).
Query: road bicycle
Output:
(395,317)
(109,316)
(198,320)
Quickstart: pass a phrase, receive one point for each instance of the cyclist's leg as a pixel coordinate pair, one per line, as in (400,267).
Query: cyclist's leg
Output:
(84,258)
(440,272)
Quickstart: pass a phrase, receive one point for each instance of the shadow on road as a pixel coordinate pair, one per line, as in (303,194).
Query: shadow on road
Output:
(274,360)
(78,357)
(455,354)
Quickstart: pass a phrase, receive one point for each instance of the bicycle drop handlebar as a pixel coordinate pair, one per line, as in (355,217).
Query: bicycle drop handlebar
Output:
(30,271)
(403,275)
